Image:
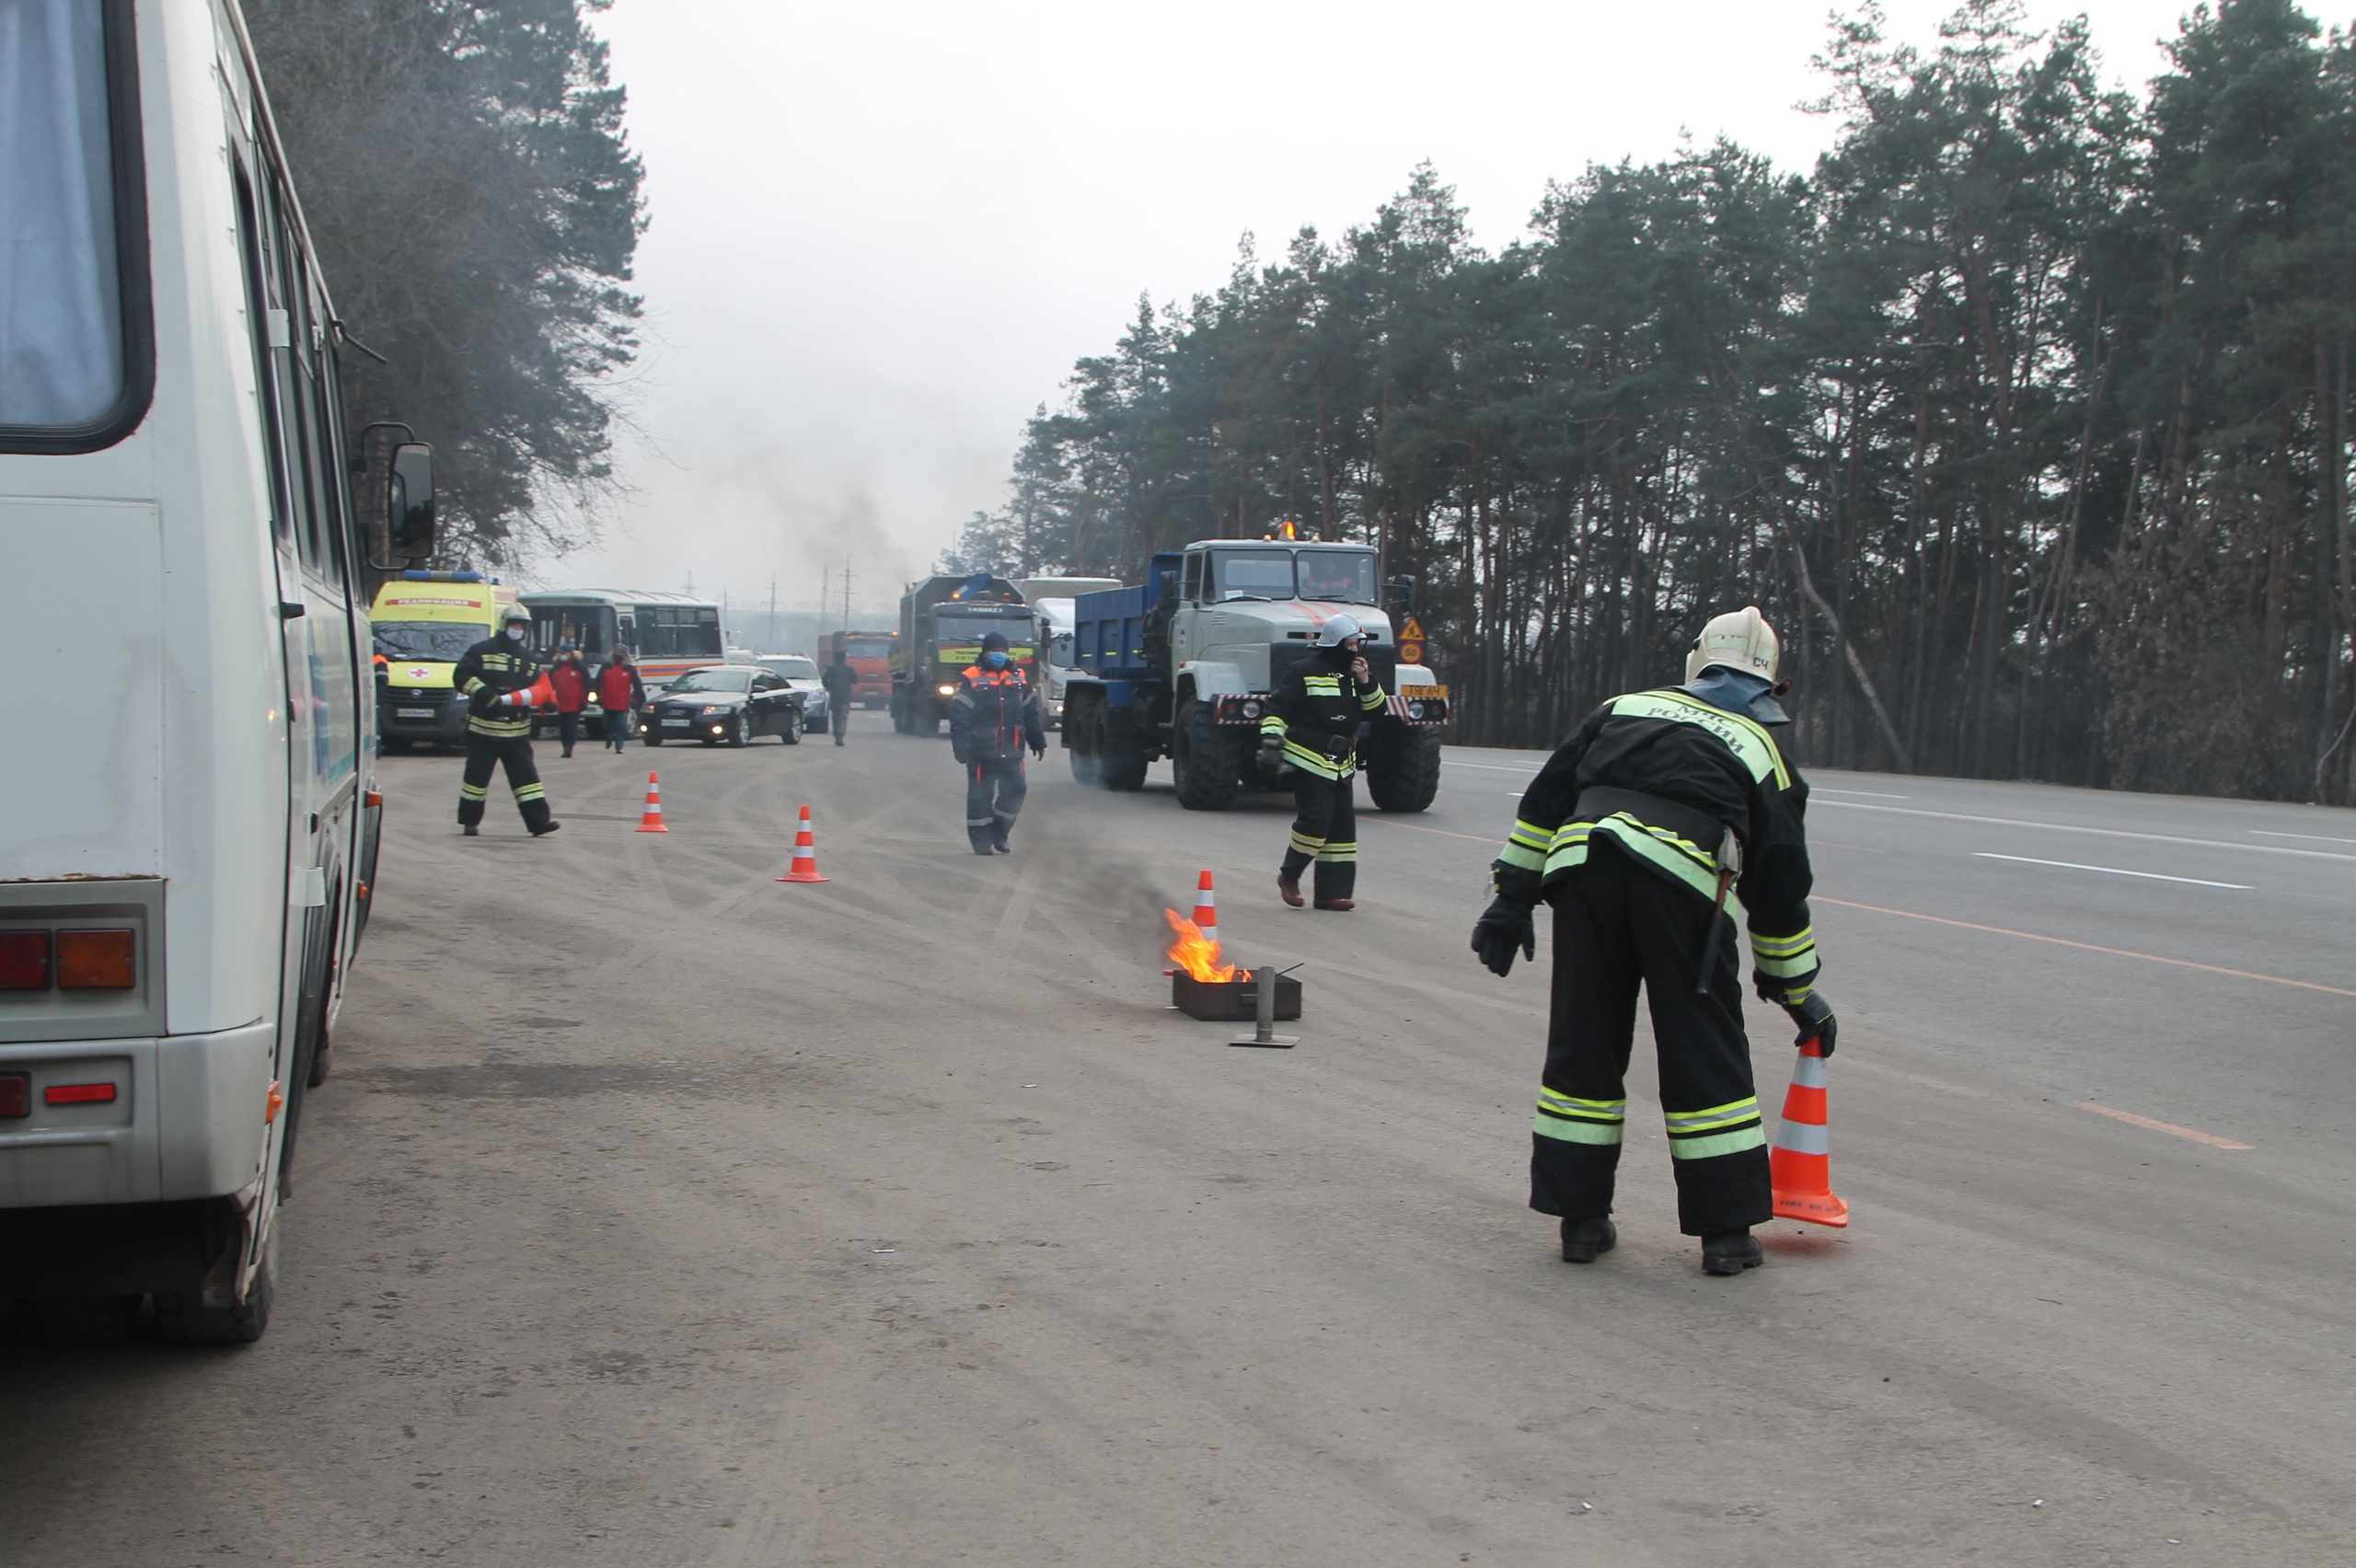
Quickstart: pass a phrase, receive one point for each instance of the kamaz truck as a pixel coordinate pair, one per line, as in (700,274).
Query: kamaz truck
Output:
(1184,665)
(943,622)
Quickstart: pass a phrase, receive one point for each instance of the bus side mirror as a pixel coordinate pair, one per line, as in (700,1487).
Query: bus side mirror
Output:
(1399,596)
(409,503)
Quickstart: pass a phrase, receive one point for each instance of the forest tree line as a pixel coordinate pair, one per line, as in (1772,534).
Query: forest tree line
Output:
(2024,416)
(476,207)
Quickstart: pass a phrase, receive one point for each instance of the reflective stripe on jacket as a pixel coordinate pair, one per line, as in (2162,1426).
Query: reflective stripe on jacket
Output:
(483,672)
(1709,766)
(1316,711)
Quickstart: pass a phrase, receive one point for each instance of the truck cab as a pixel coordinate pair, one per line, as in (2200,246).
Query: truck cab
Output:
(1185,664)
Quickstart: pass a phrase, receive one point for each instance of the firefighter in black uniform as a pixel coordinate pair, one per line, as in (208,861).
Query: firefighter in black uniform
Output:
(1311,727)
(994,715)
(1634,831)
(495,676)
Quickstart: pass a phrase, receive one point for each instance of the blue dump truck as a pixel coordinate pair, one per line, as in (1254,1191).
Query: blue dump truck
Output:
(1182,666)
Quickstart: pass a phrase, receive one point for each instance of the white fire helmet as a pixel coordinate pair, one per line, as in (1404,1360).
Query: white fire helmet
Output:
(1740,640)
(1339,629)
(515,612)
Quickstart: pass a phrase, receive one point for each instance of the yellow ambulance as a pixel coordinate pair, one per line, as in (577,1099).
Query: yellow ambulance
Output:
(423,621)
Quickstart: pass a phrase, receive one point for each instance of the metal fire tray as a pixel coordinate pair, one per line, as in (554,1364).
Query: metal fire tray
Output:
(1231,1000)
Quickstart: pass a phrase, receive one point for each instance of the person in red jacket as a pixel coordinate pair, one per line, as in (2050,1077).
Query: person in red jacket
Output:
(569,678)
(622,694)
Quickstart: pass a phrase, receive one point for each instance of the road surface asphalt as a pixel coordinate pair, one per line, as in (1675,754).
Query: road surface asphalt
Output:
(659,1213)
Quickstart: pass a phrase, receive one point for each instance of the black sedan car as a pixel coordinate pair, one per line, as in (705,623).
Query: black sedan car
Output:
(725,702)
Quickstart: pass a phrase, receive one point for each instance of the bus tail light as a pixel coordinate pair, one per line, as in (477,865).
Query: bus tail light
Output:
(24,962)
(97,961)
(79,1094)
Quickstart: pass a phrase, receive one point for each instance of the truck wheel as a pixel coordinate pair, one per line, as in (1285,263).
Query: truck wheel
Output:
(1402,771)
(1079,743)
(1121,760)
(1202,760)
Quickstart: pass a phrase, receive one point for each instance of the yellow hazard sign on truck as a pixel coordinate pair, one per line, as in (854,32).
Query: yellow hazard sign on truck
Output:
(1411,641)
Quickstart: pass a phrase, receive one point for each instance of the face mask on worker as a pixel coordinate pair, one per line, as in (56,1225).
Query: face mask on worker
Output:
(993,659)
(515,633)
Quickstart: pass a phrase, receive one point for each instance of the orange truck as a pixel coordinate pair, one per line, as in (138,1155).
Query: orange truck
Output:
(869,654)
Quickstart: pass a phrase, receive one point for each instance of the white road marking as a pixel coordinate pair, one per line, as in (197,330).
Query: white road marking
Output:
(2100,832)
(2112,871)
(1876,794)
(2317,837)
(1493,768)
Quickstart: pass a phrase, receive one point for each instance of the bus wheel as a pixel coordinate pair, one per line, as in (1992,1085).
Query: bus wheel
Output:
(184,1317)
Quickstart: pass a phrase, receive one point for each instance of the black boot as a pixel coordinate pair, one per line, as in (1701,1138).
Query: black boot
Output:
(470,830)
(1583,1238)
(549,827)
(1730,1252)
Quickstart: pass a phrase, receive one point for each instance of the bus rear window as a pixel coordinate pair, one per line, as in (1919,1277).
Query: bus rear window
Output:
(63,369)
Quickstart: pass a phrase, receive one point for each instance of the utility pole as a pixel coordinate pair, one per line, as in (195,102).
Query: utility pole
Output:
(846,592)
(777,643)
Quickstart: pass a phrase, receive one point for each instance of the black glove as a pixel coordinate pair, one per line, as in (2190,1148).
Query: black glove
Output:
(962,759)
(1039,752)
(1813,1016)
(1503,927)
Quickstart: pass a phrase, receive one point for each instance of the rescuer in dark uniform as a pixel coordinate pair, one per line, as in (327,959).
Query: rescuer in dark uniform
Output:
(1643,819)
(842,684)
(495,676)
(1311,727)
(994,715)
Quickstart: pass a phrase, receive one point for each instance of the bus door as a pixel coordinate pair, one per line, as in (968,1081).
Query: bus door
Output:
(312,551)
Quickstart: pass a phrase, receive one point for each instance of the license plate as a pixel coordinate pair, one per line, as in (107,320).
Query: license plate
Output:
(413,713)
(675,724)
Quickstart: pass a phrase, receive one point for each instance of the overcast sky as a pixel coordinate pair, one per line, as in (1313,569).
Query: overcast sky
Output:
(883,231)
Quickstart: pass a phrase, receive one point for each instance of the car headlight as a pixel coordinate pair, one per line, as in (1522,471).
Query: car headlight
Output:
(716,728)
(1415,710)
(948,691)
(1251,710)
(592,700)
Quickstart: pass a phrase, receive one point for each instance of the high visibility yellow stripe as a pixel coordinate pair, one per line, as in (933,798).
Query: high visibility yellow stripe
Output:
(1555,1102)
(473,792)
(1522,859)
(1372,700)
(1555,1127)
(530,791)
(1301,756)
(1333,852)
(1715,1144)
(1782,947)
(1306,845)
(1752,743)
(1716,1116)
(1680,858)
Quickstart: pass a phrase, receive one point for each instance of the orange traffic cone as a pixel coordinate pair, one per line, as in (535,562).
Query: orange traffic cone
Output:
(1800,1165)
(805,855)
(1206,908)
(651,820)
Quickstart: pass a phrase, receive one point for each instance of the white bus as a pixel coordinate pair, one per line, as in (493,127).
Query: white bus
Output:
(186,815)
(667,634)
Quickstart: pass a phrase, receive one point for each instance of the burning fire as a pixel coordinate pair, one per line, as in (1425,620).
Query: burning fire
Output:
(1197,957)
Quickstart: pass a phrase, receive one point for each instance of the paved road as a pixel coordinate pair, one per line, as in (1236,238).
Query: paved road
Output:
(662,1214)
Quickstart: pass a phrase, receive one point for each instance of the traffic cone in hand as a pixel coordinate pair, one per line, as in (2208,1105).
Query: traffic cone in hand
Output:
(805,855)
(1800,1163)
(651,820)
(1206,908)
